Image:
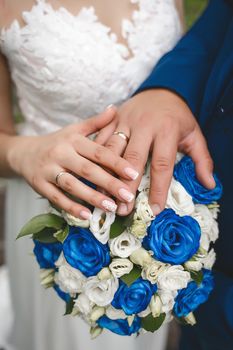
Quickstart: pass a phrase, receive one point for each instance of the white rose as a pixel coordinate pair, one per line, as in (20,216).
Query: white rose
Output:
(101,292)
(168,299)
(209,260)
(83,304)
(141,257)
(120,267)
(156,305)
(69,279)
(73,221)
(115,314)
(151,271)
(173,278)
(204,217)
(193,265)
(124,245)
(100,224)
(138,228)
(143,209)
(179,200)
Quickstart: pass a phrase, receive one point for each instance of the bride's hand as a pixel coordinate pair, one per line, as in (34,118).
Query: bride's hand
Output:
(158,121)
(40,159)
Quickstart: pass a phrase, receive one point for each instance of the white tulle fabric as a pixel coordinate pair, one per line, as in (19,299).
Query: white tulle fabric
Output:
(66,68)
(69,67)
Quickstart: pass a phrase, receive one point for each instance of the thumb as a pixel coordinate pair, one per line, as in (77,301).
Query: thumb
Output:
(97,122)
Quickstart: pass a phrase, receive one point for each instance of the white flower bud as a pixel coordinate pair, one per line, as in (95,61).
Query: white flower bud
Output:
(152,270)
(120,267)
(104,274)
(141,257)
(96,313)
(190,319)
(47,277)
(138,228)
(124,245)
(95,332)
(73,221)
(143,209)
(100,224)
(156,305)
(193,265)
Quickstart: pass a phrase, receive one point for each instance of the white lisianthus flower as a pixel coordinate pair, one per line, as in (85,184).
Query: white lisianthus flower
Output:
(193,265)
(152,270)
(209,260)
(100,224)
(173,278)
(73,221)
(124,245)
(214,232)
(141,257)
(205,241)
(156,305)
(204,217)
(69,279)
(101,292)
(168,299)
(143,209)
(120,267)
(115,314)
(179,200)
(83,304)
(215,210)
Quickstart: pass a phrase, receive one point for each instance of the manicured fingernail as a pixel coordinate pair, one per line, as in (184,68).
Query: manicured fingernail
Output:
(110,106)
(126,195)
(122,209)
(133,174)
(155,208)
(108,205)
(85,215)
(212,181)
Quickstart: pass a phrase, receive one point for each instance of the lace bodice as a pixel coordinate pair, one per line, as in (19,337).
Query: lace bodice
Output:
(67,68)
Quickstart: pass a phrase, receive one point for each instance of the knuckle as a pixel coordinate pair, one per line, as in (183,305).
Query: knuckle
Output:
(56,199)
(160,164)
(156,192)
(99,153)
(86,171)
(133,156)
(73,209)
(111,145)
(68,184)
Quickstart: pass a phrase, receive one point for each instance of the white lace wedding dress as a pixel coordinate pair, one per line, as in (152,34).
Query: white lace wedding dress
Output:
(67,68)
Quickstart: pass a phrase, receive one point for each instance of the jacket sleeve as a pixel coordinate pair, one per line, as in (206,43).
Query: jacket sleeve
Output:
(185,69)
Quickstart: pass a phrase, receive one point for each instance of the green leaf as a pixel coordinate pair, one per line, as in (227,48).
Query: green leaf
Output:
(45,236)
(151,324)
(131,277)
(197,276)
(69,307)
(61,235)
(38,223)
(120,224)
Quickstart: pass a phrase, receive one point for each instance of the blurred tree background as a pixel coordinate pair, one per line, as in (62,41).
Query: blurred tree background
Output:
(193,9)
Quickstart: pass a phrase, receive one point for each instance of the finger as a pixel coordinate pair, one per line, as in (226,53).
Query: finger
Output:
(106,158)
(116,143)
(136,153)
(105,133)
(162,165)
(70,184)
(92,125)
(97,175)
(196,148)
(60,200)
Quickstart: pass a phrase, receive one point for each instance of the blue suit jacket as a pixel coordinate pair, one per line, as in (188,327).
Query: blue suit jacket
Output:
(200,69)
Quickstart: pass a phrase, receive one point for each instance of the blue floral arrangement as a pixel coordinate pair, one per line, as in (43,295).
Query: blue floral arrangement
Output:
(132,274)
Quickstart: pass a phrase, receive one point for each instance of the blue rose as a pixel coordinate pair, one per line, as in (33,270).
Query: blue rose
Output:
(64,296)
(172,238)
(120,326)
(188,299)
(135,298)
(47,254)
(84,252)
(184,172)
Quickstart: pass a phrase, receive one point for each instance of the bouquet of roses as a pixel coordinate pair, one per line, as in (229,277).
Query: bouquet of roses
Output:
(131,274)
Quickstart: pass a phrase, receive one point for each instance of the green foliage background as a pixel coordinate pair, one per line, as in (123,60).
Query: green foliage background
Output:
(193,9)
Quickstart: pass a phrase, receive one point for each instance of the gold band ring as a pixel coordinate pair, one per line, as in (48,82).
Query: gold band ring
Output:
(122,135)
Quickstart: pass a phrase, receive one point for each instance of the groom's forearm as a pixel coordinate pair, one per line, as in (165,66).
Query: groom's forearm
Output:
(186,68)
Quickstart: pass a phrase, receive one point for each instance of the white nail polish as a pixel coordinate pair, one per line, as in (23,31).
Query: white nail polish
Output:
(110,106)
(85,215)
(126,195)
(110,206)
(133,174)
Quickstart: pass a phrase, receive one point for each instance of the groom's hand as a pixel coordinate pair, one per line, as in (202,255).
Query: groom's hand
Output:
(161,122)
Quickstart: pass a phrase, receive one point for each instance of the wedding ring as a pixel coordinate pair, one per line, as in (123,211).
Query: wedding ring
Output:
(122,135)
(59,176)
